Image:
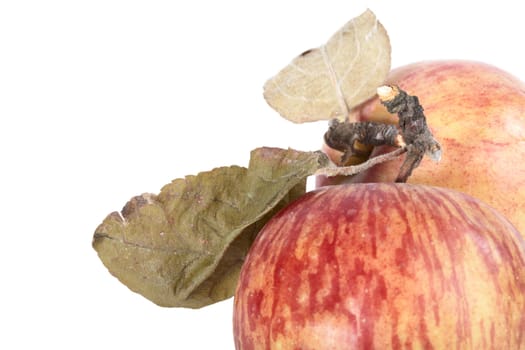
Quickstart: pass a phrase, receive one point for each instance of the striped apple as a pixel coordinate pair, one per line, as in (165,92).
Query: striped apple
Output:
(477,113)
(383,266)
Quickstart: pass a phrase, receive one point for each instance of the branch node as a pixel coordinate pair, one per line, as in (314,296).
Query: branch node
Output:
(411,135)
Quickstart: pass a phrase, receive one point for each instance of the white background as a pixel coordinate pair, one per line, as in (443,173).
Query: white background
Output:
(103,100)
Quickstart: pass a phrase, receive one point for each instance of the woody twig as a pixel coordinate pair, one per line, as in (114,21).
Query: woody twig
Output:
(411,135)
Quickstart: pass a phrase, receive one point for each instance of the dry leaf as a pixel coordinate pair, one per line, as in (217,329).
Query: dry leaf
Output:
(327,82)
(185,246)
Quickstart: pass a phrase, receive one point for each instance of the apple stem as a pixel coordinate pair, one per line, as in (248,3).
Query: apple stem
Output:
(343,136)
(411,134)
(413,127)
(355,169)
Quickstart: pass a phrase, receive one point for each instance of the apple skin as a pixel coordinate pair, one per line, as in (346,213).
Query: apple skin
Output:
(383,266)
(477,113)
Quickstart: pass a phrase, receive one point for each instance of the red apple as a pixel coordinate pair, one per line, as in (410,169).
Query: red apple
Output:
(383,266)
(477,113)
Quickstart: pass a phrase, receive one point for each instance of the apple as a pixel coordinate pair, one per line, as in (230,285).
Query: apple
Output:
(383,266)
(477,113)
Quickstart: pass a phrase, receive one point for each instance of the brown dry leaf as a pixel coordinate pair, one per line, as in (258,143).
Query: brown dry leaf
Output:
(327,82)
(185,246)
